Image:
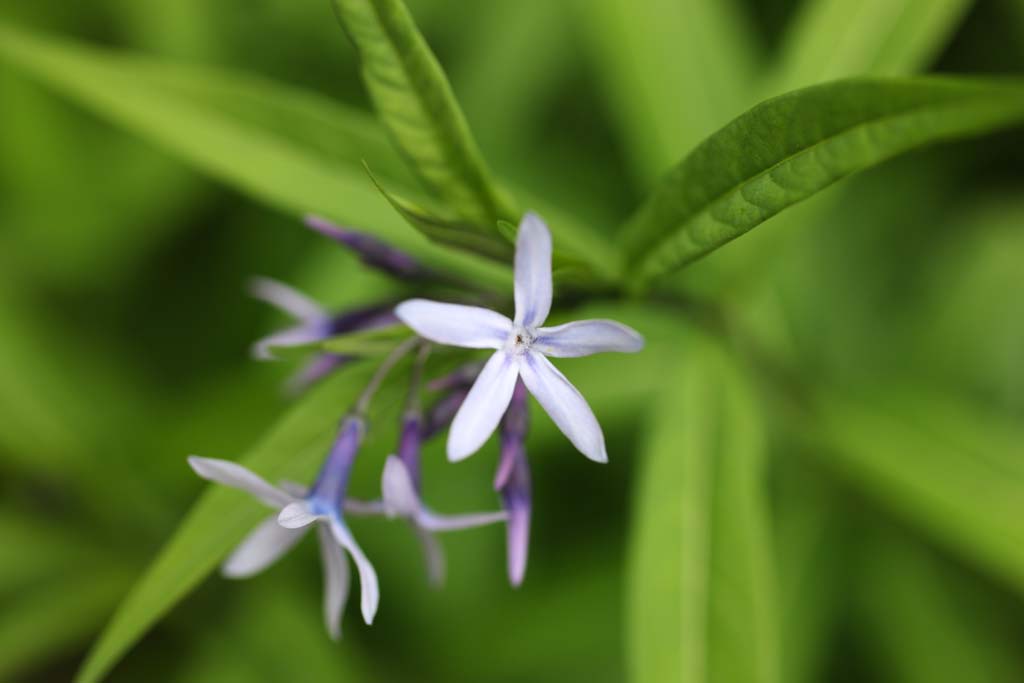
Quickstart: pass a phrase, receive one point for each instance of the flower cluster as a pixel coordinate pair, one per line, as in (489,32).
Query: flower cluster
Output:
(474,400)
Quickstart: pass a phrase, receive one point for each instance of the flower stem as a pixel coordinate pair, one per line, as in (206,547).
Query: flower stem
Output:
(392,359)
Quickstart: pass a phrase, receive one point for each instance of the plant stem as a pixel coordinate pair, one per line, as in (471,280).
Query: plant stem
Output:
(363,403)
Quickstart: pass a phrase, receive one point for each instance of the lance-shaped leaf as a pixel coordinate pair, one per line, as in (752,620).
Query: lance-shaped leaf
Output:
(245,132)
(702,589)
(830,39)
(937,464)
(790,147)
(415,103)
(222,516)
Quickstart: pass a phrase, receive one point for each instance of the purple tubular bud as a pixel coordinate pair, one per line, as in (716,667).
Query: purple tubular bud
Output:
(315,370)
(443,412)
(463,377)
(359,319)
(512,480)
(328,492)
(370,250)
(409,445)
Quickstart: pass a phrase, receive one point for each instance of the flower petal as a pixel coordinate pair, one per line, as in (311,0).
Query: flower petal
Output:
(433,554)
(296,515)
(337,578)
(533,271)
(234,475)
(584,337)
(432,521)
(369,589)
(565,405)
(484,405)
(262,349)
(285,298)
(260,549)
(400,498)
(471,327)
(517,533)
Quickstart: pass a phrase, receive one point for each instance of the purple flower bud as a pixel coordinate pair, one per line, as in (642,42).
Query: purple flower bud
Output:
(328,493)
(370,250)
(512,480)
(462,378)
(409,446)
(443,412)
(313,324)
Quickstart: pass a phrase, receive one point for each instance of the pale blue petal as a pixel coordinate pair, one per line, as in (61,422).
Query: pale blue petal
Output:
(454,324)
(532,272)
(260,549)
(565,405)
(337,579)
(484,405)
(234,475)
(584,337)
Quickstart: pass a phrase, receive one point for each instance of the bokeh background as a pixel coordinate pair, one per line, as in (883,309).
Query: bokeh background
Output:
(124,334)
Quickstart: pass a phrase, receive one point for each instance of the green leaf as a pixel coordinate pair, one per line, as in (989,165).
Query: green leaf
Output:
(937,464)
(673,71)
(176,109)
(415,103)
(811,535)
(702,590)
(217,522)
(790,147)
(444,230)
(830,39)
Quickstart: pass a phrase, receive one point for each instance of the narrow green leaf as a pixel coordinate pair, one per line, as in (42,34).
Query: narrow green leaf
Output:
(415,102)
(293,448)
(952,474)
(811,535)
(276,168)
(790,147)
(831,39)
(673,71)
(445,230)
(702,590)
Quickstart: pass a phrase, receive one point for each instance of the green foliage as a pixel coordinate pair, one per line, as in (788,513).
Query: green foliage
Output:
(834,39)
(792,517)
(258,160)
(702,589)
(790,147)
(948,474)
(673,71)
(926,621)
(415,103)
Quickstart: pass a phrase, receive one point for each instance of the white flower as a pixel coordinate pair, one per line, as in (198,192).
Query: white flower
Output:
(297,510)
(522,347)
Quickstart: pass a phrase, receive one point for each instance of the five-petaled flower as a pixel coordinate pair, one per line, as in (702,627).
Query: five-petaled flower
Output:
(522,346)
(298,509)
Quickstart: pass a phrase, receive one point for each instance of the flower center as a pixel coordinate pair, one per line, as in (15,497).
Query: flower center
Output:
(519,341)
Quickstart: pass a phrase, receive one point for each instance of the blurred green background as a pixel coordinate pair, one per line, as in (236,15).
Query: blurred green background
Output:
(124,334)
